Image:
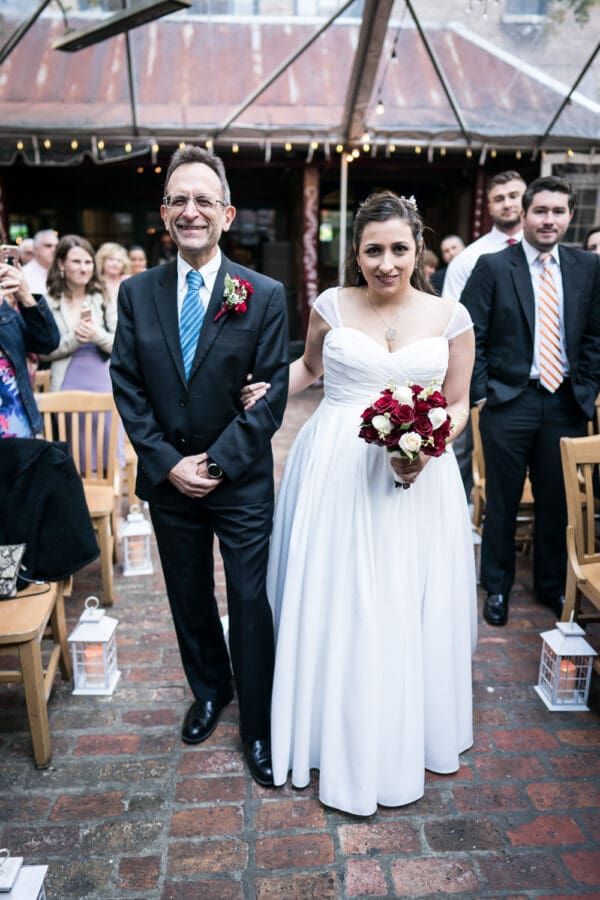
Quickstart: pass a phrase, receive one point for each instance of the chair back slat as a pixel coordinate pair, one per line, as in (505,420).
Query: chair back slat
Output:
(81,419)
(581,465)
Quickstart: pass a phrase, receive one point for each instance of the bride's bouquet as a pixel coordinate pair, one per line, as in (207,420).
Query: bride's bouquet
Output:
(408,420)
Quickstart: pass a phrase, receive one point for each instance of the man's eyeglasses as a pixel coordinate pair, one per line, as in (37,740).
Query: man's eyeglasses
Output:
(202,202)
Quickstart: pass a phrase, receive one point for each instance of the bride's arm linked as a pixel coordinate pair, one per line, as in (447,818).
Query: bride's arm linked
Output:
(303,371)
(456,392)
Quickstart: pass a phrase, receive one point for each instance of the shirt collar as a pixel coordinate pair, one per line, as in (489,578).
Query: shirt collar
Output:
(532,252)
(502,237)
(208,271)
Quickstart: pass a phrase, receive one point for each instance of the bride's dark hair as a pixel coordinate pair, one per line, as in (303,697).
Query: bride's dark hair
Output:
(379,207)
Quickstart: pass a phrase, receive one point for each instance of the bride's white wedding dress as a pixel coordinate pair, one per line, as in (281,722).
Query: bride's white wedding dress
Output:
(373,591)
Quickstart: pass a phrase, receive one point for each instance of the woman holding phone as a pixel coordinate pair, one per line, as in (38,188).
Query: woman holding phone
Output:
(26,326)
(85,318)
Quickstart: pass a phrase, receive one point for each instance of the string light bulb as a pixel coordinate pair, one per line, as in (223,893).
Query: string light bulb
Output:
(493,154)
(380,108)
(418,150)
(518,154)
(570,153)
(392,148)
(47,144)
(314,145)
(181,145)
(288,147)
(469,153)
(442,151)
(158,169)
(339,148)
(20,145)
(140,170)
(74,145)
(208,144)
(366,148)
(356,153)
(235,148)
(155,148)
(349,157)
(128,148)
(100,145)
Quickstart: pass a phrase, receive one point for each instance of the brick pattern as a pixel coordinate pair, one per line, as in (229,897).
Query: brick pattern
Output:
(128,811)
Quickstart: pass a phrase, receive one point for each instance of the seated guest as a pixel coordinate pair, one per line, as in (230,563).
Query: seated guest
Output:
(26,325)
(430,263)
(112,263)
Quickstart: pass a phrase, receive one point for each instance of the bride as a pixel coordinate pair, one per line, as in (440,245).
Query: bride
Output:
(372,588)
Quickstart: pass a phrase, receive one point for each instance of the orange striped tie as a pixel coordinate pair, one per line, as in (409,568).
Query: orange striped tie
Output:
(551,367)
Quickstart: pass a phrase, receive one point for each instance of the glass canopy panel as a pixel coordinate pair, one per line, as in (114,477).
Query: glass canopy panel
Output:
(507,73)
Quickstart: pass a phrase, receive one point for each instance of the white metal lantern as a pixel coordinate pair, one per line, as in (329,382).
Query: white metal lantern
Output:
(137,554)
(19,882)
(94,651)
(565,668)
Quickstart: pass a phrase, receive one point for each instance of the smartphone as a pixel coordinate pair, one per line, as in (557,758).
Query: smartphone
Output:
(9,254)
(86,314)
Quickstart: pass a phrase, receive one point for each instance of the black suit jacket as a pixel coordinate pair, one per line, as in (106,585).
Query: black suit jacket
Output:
(499,297)
(166,417)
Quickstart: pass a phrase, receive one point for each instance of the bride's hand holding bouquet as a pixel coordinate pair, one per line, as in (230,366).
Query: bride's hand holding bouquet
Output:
(412,423)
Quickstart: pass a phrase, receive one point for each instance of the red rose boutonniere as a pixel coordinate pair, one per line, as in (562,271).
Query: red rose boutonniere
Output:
(235,296)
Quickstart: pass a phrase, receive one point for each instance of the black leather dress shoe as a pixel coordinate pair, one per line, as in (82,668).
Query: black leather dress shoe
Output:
(201,719)
(495,609)
(258,757)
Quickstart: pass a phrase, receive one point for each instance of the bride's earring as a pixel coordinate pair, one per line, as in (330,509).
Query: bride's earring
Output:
(358,274)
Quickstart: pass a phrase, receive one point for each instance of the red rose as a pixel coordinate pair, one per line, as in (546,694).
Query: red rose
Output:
(402,414)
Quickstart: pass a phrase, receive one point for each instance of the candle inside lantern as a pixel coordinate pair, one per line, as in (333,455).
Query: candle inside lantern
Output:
(136,551)
(567,683)
(93,664)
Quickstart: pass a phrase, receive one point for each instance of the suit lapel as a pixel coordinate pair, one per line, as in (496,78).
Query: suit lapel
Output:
(210,328)
(165,300)
(521,278)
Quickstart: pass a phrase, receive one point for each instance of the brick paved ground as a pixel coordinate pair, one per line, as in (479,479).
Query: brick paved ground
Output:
(128,811)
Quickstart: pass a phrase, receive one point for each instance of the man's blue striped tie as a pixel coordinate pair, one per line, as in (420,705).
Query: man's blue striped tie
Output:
(190,322)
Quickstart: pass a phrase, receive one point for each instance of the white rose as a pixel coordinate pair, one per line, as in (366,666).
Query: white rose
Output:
(437,416)
(382,424)
(403,395)
(410,443)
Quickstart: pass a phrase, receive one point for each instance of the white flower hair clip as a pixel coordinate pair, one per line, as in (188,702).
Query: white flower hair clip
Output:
(411,201)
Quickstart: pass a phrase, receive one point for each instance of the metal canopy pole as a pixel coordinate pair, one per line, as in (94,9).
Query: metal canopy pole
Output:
(279,71)
(343,216)
(21,31)
(446,87)
(569,95)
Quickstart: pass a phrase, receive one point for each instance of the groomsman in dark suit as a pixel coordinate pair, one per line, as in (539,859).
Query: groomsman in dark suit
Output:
(536,312)
(188,334)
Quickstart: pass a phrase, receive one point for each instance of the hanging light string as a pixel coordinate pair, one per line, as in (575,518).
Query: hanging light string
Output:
(380,108)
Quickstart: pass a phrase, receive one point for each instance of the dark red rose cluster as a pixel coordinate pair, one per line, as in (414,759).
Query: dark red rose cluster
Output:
(403,418)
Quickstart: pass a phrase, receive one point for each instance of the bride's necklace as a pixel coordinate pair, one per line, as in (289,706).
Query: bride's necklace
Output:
(391,333)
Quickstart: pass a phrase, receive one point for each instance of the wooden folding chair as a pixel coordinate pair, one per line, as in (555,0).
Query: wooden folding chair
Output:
(41,381)
(80,417)
(35,613)
(580,462)
(525,515)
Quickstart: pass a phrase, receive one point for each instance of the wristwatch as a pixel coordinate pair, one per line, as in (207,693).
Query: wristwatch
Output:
(214,469)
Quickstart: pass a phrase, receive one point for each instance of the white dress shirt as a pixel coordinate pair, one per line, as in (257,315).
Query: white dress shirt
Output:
(535,269)
(208,272)
(461,266)
(35,276)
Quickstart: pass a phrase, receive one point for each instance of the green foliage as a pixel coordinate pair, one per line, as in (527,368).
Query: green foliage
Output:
(579,8)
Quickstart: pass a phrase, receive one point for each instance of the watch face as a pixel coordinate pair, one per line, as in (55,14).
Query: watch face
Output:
(214,470)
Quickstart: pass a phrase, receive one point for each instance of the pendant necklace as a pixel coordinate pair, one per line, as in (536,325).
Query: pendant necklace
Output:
(391,333)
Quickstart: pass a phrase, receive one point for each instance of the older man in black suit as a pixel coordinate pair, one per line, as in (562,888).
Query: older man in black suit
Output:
(536,311)
(188,334)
